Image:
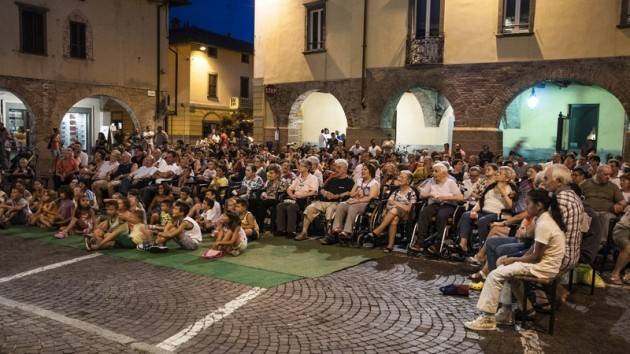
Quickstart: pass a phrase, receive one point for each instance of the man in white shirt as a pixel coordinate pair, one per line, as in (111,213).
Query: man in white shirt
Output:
(374,149)
(101,177)
(140,177)
(165,173)
(443,195)
(357,149)
(323,141)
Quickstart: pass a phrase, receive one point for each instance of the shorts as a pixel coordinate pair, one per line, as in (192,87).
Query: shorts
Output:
(316,208)
(186,242)
(242,246)
(253,236)
(621,236)
(124,241)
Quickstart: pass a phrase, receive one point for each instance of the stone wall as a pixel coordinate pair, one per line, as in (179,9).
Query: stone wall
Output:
(479,93)
(48,101)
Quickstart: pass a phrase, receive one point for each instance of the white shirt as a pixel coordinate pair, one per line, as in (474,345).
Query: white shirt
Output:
(322,140)
(143,172)
(105,168)
(213,214)
(448,188)
(194,233)
(168,168)
(83,157)
(356,150)
(373,150)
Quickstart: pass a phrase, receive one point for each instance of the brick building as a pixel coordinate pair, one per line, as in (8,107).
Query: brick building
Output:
(82,66)
(469,62)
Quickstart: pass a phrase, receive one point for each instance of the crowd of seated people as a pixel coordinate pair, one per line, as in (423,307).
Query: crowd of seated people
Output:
(517,218)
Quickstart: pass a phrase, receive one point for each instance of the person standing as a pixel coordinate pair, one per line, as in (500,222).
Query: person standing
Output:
(148,136)
(5,136)
(161,138)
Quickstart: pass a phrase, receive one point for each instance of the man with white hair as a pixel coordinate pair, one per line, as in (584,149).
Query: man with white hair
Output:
(557,178)
(443,195)
(336,189)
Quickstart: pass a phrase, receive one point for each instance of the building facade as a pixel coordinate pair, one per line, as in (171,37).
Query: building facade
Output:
(210,80)
(463,67)
(81,66)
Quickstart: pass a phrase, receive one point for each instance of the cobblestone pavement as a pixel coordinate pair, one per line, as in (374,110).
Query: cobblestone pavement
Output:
(389,305)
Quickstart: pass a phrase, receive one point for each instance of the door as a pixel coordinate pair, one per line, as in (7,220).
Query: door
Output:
(75,126)
(583,123)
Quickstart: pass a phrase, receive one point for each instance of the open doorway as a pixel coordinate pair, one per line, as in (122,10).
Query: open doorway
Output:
(583,123)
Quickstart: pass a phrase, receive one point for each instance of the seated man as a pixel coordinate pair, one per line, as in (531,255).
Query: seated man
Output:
(167,170)
(443,196)
(335,190)
(605,198)
(543,260)
(113,232)
(139,178)
(184,230)
(102,175)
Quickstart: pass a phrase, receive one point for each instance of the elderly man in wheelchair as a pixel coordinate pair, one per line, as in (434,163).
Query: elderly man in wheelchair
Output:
(443,195)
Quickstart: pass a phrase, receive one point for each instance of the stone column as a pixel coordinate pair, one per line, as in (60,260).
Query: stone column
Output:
(473,138)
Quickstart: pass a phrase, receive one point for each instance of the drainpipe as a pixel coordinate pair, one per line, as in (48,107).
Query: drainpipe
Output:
(176,77)
(363,56)
(159,60)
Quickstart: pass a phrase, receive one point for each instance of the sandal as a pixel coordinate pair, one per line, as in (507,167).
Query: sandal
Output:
(616,280)
(388,249)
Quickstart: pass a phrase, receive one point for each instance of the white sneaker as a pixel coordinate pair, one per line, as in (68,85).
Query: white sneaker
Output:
(482,323)
(504,317)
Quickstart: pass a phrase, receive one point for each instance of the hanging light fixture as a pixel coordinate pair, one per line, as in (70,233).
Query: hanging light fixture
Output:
(532,101)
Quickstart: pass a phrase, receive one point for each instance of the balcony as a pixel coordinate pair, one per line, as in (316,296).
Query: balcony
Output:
(428,50)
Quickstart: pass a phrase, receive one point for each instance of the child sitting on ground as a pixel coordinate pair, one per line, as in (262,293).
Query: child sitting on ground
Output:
(82,221)
(248,221)
(14,211)
(113,232)
(66,206)
(184,230)
(48,212)
(230,237)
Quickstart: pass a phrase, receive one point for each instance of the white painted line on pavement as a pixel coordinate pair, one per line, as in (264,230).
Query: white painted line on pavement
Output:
(530,341)
(82,325)
(191,331)
(48,267)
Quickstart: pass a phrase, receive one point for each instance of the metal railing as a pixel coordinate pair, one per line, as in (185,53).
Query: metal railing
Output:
(428,50)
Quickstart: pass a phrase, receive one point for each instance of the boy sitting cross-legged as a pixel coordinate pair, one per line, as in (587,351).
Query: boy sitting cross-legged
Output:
(113,232)
(183,229)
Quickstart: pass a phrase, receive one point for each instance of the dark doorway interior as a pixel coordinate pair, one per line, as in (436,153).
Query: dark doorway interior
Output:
(583,120)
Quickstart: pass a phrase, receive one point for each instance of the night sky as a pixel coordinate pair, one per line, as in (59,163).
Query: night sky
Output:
(235,17)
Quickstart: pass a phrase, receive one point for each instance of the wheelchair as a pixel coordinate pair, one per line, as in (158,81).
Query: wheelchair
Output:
(447,247)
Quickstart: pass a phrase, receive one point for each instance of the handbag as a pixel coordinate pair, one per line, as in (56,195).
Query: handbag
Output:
(212,254)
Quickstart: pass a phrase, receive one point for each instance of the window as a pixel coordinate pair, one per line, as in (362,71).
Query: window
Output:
(245,58)
(625,13)
(213,79)
(244,87)
(517,16)
(315,25)
(77,40)
(213,52)
(427,18)
(33,30)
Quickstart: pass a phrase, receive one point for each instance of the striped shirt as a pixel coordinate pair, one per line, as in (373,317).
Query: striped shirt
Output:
(572,210)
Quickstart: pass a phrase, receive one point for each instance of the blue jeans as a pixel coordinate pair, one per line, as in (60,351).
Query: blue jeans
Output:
(504,246)
(483,224)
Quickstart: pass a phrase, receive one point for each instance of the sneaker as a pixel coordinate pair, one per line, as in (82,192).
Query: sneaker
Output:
(504,317)
(158,249)
(482,323)
(90,243)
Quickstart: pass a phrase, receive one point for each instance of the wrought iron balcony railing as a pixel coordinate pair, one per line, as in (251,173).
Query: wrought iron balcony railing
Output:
(428,50)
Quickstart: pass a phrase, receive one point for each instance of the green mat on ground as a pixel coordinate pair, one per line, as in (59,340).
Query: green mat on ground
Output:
(265,263)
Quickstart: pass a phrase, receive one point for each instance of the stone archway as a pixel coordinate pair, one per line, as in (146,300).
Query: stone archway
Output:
(298,121)
(12,103)
(296,118)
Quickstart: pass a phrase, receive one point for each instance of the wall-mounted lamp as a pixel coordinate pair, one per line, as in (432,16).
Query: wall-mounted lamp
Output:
(203,48)
(532,101)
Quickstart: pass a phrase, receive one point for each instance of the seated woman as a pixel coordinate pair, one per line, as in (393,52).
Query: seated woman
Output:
(366,189)
(398,208)
(230,237)
(543,260)
(495,198)
(251,183)
(303,186)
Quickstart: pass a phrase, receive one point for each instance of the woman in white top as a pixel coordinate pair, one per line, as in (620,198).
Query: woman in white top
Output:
(496,197)
(231,237)
(542,260)
(362,193)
